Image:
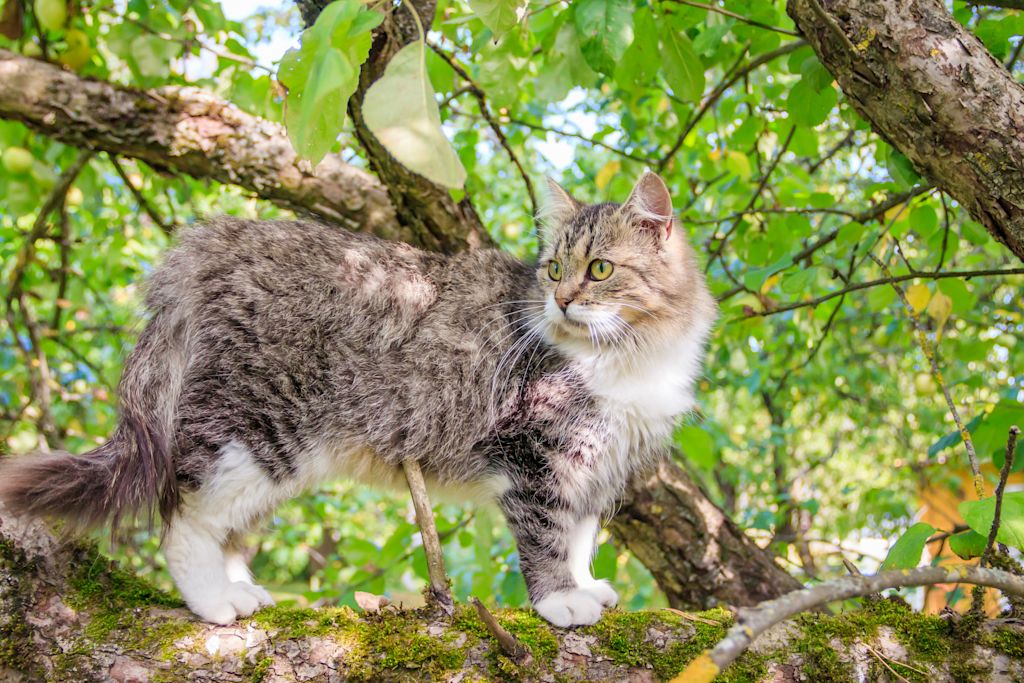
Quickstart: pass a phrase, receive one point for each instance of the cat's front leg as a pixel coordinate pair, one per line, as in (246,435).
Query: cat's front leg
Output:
(556,546)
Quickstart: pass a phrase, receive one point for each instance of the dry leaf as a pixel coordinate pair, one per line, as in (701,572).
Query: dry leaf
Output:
(369,602)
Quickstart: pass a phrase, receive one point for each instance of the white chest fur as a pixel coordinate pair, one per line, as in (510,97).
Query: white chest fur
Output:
(644,393)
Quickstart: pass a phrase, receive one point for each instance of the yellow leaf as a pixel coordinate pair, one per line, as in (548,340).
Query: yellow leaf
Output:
(769,283)
(939,308)
(918,296)
(701,670)
(607,172)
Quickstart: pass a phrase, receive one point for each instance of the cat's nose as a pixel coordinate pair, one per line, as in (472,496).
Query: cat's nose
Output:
(563,302)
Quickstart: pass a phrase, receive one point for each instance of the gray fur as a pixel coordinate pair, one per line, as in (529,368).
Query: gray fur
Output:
(302,341)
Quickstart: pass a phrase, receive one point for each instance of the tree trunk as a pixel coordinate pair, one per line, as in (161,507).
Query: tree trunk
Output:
(695,552)
(69,615)
(192,132)
(935,93)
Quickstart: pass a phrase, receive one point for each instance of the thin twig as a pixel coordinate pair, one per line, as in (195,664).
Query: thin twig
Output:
(1004,474)
(929,352)
(832,25)
(439,591)
(52,203)
(485,111)
(875,283)
(756,621)
(739,17)
(139,197)
(753,199)
(881,657)
(516,651)
(720,90)
(870,214)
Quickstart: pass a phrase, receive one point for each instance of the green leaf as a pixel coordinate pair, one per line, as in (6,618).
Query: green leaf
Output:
(798,282)
(697,445)
(498,15)
(808,106)
(153,55)
(906,552)
(979,515)
(968,545)
(953,438)
(605,30)
(849,235)
(400,109)
(566,67)
(901,170)
(683,69)
(323,73)
(640,63)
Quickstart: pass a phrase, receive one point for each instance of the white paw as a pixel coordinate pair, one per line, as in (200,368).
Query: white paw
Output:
(569,608)
(238,599)
(603,592)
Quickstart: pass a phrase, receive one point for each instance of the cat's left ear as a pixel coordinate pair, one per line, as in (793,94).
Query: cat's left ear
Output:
(649,206)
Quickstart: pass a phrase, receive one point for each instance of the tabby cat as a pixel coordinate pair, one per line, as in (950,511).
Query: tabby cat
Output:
(280,355)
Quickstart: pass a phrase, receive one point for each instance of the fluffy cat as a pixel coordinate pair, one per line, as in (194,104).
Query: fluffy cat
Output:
(279,355)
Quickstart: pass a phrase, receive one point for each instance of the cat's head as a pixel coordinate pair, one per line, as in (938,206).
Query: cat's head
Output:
(619,275)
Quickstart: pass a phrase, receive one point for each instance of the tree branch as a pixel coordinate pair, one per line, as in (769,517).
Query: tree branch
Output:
(754,622)
(739,17)
(190,131)
(68,615)
(966,274)
(720,90)
(935,93)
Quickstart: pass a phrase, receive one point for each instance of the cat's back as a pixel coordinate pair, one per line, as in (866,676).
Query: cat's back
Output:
(231,256)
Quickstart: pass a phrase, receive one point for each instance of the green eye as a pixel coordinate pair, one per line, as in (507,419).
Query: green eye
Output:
(555,270)
(600,269)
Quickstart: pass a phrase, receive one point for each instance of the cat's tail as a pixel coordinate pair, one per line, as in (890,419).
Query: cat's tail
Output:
(133,473)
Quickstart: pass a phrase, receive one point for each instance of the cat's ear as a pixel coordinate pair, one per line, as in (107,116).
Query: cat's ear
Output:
(649,206)
(559,205)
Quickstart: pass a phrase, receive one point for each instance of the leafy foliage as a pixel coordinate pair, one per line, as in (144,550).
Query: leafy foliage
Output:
(821,427)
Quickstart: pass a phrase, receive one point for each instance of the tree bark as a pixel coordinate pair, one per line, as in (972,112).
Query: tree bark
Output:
(935,93)
(695,552)
(187,130)
(192,132)
(68,615)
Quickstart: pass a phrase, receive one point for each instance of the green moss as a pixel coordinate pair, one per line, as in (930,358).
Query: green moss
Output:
(968,670)
(294,622)
(623,638)
(378,643)
(16,650)
(1008,641)
(531,630)
(255,672)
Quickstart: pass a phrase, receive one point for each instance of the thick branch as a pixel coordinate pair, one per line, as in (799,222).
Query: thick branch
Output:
(756,621)
(696,554)
(933,91)
(69,615)
(190,131)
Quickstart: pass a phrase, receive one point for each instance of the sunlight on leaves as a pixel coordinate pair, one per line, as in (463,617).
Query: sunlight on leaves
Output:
(401,111)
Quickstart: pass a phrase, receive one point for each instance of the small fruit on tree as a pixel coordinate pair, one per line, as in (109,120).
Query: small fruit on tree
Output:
(51,14)
(17,160)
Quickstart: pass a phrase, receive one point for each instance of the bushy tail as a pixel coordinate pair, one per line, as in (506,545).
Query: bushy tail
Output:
(134,471)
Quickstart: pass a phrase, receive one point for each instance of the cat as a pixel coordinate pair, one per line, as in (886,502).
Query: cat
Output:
(282,354)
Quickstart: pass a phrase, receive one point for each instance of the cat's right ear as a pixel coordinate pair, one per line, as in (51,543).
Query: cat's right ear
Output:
(559,205)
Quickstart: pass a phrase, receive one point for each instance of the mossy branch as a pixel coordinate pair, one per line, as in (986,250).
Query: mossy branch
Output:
(756,621)
(69,614)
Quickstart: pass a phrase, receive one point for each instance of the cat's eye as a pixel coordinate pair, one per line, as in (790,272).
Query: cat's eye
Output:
(554,270)
(600,269)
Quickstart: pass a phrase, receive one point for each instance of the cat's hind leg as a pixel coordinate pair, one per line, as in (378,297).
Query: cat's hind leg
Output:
(200,543)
